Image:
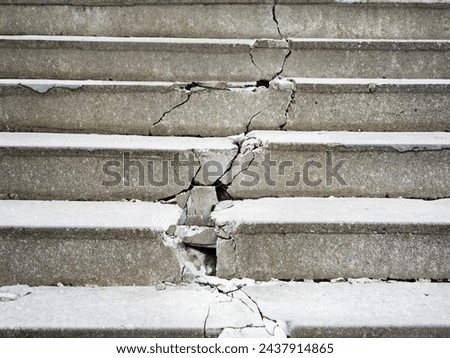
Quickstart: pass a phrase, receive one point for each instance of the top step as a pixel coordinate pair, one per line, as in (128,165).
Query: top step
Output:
(378,19)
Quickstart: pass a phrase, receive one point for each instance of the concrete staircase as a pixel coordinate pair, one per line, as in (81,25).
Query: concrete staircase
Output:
(201,151)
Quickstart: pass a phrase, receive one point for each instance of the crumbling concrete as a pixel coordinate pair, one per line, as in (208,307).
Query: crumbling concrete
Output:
(366,164)
(96,167)
(275,309)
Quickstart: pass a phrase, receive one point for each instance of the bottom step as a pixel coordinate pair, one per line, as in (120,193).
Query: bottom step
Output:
(349,309)
(79,243)
(326,238)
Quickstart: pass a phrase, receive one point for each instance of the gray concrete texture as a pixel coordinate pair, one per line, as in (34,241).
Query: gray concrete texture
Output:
(302,310)
(228,19)
(370,164)
(152,59)
(95,167)
(215,109)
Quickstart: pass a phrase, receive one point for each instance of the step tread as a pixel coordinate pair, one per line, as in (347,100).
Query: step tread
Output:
(87,215)
(111,142)
(401,141)
(359,309)
(354,211)
(304,309)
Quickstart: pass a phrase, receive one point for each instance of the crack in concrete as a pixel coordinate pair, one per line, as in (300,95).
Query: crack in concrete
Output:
(289,105)
(274,17)
(206,320)
(264,317)
(172,109)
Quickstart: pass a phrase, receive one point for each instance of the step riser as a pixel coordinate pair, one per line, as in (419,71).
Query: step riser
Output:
(231,20)
(355,63)
(327,256)
(390,107)
(102,109)
(394,21)
(81,257)
(360,172)
(239,62)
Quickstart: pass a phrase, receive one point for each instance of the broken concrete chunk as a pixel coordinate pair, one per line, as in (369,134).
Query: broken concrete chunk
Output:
(199,206)
(200,236)
(226,204)
(171,230)
(182,199)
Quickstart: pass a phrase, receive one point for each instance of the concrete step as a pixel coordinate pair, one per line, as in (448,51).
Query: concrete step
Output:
(367,164)
(108,167)
(228,19)
(210,109)
(80,243)
(135,59)
(328,238)
(376,309)
(169,59)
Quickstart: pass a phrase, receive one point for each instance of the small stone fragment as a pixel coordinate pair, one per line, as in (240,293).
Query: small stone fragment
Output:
(160,287)
(224,205)
(372,87)
(171,230)
(182,199)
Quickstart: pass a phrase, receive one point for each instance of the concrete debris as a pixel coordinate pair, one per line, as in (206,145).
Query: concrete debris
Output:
(224,205)
(160,287)
(200,236)
(182,199)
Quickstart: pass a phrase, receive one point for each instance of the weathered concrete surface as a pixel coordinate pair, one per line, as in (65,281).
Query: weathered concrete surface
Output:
(140,59)
(302,309)
(79,243)
(368,58)
(317,238)
(100,167)
(390,164)
(369,19)
(228,19)
(369,105)
(123,312)
(399,309)
(158,20)
(162,109)
(167,108)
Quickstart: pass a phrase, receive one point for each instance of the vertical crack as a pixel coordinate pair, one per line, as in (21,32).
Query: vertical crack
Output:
(206,320)
(289,105)
(274,17)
